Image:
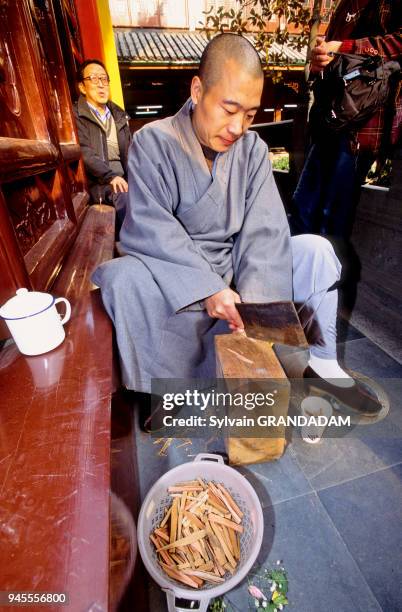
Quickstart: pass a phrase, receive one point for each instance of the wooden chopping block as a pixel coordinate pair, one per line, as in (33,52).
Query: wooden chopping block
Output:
(239,357)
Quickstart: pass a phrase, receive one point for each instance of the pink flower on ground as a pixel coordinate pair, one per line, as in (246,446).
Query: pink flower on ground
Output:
(255,592)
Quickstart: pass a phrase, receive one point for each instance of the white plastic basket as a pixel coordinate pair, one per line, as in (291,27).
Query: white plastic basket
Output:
(207,467)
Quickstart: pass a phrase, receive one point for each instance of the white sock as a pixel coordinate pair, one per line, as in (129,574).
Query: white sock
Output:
(330,370)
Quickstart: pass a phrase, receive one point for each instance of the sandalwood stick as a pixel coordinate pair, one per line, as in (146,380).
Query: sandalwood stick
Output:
(162,534)
(165,556)
(184,488)
(200,500)
(178,575)
(222,541)
(182,504)
(197,535)
(214,501)
(183,566)
(232,538)
(229,568)
(215,518)
(207,567)
(166,517)
(207,576)
(173,523)
(225,532)
(221,496)
(230,500)
(217,548)
(194,520)
(188,483)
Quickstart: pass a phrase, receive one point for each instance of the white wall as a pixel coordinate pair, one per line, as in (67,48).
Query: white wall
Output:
(163,13)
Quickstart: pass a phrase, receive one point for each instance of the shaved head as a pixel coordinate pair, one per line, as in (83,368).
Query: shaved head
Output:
(226,94)
(228,47)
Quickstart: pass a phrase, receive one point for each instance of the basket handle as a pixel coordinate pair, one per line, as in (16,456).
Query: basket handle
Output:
(203,603)
(208,457)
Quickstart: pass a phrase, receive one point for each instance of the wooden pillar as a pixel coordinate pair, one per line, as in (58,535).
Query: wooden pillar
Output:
(109,47)
(98,41)
(91,36)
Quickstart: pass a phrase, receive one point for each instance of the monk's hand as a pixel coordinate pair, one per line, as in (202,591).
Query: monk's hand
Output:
(119,184)
(320,54)
(221,305)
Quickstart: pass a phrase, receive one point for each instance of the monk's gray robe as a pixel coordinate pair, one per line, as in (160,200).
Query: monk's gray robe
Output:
(188,235)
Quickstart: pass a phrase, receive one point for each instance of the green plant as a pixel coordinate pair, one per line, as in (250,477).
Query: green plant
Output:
(269,589)
(254,15)
(219,605)
(281,162)
(295,26)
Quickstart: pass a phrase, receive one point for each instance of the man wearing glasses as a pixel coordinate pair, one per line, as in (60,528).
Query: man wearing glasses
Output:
(104,137)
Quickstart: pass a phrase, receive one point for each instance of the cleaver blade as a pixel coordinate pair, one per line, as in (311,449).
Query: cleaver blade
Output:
(275,322)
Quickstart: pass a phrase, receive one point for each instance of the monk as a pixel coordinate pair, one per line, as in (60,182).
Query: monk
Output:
(205,228)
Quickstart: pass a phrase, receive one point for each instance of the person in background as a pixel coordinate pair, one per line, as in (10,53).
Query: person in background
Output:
(325,199)
(104,136)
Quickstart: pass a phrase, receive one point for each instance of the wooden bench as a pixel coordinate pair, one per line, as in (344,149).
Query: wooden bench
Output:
(55,430)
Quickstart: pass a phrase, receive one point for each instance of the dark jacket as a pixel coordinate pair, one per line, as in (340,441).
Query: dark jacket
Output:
(94,147)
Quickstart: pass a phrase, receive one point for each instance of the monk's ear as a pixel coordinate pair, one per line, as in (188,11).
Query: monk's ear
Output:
(196,89)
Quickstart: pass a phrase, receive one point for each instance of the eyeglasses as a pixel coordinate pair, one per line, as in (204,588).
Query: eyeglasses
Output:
(95,79)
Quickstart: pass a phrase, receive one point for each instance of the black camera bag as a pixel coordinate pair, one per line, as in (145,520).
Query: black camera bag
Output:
(351,89)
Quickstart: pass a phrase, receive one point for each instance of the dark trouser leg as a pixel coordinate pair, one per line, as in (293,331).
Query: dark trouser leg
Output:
(338,192)
(306,198)
(325,198)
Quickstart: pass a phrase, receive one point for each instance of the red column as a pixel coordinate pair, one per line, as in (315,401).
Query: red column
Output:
(91,37)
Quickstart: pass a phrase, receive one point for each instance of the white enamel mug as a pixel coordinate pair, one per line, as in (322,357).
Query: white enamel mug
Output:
(33,320)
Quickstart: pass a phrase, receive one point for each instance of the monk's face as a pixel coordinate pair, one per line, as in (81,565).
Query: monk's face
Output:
(225,110)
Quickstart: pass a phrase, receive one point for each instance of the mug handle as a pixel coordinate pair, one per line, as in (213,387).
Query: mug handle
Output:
(68,309)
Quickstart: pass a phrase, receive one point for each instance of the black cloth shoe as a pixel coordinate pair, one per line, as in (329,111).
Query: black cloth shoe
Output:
(150,412)
(143,402)
(355,398)
(154,422)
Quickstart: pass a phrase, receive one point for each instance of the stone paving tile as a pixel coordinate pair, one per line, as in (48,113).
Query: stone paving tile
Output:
(366,448)
(336,461)
(366,357)
(368,515)
(278,480)
(323,576)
